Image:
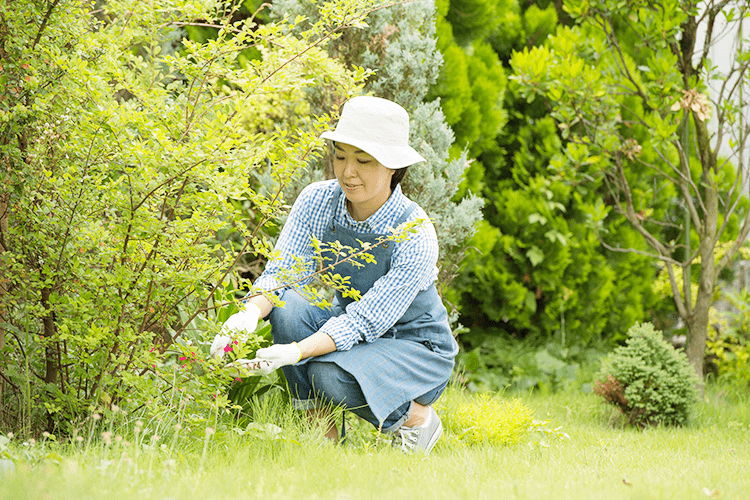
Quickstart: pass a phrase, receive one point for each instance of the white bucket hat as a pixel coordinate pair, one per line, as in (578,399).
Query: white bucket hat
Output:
(378,127)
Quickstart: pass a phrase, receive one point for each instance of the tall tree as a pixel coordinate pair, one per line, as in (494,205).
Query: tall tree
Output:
(650,112)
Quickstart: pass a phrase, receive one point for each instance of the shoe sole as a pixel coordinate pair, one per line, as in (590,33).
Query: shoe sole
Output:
(434,438)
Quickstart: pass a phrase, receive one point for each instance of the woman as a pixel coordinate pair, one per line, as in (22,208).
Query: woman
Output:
(388,356)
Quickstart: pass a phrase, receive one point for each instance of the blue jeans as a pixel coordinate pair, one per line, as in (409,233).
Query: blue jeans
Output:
(313,383)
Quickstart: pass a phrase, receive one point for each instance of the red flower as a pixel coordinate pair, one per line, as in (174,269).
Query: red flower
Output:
(228,348)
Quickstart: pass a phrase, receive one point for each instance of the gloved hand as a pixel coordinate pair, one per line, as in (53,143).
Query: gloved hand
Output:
(245,321)
(268,359)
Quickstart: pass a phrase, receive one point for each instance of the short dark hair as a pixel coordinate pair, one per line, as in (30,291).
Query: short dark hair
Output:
(398,176)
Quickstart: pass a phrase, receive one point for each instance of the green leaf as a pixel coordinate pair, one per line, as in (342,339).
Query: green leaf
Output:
(530,302)
(548,363)
(534,218)
(535,255)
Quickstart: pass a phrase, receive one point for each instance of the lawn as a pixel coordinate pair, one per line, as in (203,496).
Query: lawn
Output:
(709,458)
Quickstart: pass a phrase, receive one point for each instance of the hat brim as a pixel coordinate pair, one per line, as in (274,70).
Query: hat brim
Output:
(390,156)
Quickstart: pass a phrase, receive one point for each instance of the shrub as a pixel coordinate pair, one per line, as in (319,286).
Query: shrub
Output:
(483,419)
(126,153)
(648,380)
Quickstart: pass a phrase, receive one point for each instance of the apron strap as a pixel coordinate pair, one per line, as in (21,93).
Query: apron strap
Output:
(334,203)
(409,209)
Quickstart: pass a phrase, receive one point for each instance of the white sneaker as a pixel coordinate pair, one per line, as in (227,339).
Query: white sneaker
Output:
(421,438)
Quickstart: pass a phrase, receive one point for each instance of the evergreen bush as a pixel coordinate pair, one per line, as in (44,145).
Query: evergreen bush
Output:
(536,268)
(649,381)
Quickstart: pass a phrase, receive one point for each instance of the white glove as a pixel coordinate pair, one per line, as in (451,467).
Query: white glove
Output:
(245,321)
(268,359)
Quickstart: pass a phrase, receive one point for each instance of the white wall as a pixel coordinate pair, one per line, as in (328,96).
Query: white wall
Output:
(725,45)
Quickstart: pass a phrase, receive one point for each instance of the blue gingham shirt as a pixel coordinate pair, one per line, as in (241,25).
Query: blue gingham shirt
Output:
(413,263)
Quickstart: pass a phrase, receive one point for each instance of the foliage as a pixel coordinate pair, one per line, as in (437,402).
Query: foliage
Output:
(493,361)
(538,268)
(643,114)
(126,151)
(471,82)
(729,342)
(542,434)
(484,419)
(647,380)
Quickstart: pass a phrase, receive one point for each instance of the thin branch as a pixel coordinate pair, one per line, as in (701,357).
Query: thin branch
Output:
(735,84)
(684,308)
(44,23)
(629,211)
(658,171)
(167,181)
(620,60)
(662,258)
(738,242)
(638,116)
(683,178)
(73,210)
(731,209)
(670,225)
(203,25)
(687,182)
(711,13)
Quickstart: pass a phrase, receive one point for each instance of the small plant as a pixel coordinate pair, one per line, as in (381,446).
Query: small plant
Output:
(483,419)
(542,434)
(648,380)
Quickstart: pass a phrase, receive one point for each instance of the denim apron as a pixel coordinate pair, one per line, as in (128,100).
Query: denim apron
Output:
(416,354)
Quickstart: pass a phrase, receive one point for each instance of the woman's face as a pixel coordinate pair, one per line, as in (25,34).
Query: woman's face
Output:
(365,182)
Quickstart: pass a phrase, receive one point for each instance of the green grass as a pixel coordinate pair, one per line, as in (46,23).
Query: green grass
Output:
(709,458)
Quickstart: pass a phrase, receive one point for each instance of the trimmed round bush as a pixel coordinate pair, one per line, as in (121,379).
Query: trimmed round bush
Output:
(649,381)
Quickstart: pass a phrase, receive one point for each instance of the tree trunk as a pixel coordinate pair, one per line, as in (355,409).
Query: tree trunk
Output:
(4,199)
(51,350)
(697,322)
(697,326)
